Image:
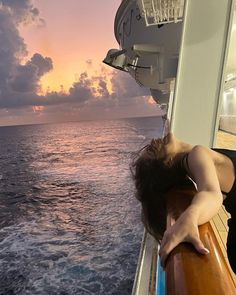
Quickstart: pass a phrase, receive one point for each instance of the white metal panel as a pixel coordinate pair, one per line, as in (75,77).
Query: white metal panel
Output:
(206,30)
(143,271)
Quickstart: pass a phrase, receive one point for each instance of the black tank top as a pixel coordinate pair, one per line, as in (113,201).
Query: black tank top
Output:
(230,200)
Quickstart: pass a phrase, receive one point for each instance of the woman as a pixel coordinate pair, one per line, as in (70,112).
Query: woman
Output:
(167,162)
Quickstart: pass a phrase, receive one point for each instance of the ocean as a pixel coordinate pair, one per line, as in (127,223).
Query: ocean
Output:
(69,221)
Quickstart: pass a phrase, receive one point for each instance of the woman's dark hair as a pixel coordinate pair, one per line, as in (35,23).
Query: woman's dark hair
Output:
(153,178)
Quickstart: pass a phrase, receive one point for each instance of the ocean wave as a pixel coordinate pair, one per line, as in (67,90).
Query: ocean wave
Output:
(69,223)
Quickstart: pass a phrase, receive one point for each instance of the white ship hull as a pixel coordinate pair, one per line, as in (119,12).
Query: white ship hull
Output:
(151,55)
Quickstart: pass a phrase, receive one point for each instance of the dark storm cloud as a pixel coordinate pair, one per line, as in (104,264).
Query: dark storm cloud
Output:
(103,91)
(81,91)
(93,92)
(42,64)
(18,82)
(27,76)
(124,86)
(11,45)
(20,10)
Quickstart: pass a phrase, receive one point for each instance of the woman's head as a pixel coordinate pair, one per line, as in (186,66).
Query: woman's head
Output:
(163,148)
(154,173)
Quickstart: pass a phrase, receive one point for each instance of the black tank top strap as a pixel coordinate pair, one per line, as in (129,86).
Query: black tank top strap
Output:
(184,163)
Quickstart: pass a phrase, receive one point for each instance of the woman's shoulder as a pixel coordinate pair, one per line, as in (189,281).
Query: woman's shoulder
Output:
(202,153)
(200,150)
(214,153)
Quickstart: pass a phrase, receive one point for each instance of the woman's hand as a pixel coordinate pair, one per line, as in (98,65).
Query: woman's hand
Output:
(184,230)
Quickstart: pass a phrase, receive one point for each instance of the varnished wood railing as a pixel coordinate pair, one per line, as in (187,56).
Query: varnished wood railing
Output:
(190,273)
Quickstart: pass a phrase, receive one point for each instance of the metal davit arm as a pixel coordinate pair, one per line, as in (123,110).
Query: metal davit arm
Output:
(190,273)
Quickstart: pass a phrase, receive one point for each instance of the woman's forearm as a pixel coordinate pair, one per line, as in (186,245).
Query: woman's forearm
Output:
(204,206)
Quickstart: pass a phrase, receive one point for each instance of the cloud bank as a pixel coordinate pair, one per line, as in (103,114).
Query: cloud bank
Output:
(19,82)
(20,76)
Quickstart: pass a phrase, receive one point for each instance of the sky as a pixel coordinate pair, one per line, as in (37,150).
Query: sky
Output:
(51,66)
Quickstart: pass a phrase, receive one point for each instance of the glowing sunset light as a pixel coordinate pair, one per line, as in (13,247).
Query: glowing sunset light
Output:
(151,100)
(73,34)
(38,108)
(53,54)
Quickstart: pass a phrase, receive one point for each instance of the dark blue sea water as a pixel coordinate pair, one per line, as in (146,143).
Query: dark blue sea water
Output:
(69,222)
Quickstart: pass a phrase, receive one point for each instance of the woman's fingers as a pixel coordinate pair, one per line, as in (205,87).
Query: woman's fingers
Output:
(170,241)
(185,229)
(167,245)
(198,245)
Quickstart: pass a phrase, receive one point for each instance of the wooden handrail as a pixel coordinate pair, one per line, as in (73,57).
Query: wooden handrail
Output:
(191,273)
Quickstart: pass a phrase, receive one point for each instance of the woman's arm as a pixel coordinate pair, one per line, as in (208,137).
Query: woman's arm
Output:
(205,204)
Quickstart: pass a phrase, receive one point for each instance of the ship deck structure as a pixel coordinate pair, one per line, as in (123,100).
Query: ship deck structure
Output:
(184,52)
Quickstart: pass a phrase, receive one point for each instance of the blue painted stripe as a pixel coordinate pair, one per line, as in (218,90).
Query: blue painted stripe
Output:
(161,279)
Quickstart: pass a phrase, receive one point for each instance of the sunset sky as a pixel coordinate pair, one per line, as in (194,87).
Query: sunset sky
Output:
(51,67)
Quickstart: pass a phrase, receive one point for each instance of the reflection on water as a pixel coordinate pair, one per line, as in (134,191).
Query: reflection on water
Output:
(69,223)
